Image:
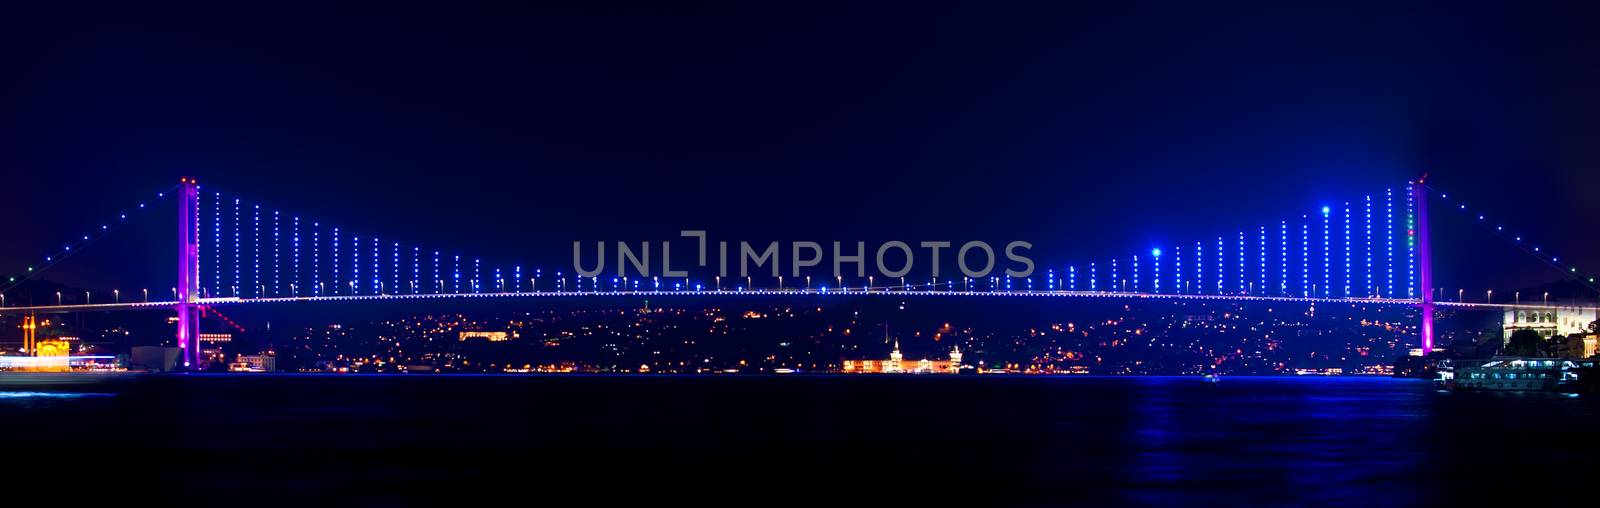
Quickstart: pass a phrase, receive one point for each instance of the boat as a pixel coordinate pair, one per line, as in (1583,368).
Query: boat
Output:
(1514,374)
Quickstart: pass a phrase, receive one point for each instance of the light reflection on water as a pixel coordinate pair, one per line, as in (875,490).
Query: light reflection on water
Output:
(50,395)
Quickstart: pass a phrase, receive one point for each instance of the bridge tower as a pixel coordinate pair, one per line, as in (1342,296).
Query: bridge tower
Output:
(1419,194)
(188,273)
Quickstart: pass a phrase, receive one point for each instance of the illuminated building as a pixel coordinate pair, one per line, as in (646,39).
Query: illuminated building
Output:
(1548,321)
(254,363)
(212,355)
(52,356)
(896,364)
(492,336)
(216,337)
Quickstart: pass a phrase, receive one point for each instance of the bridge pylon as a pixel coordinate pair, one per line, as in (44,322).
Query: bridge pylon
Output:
(188,286)
(1419,193)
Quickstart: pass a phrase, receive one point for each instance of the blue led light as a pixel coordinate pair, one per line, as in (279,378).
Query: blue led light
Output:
(277,278)
(1177,268)
(237,280)
(1116,280)
(355,265)
(1283,258)
(255,253)
(1305,257)
(1243,284)
(1369,289)
(377,263)
(216,244)
(1347,281)
(1136,273)
(1155,274)
(1327,276)
(298,284)
(1263,261)
(1388,197)
(316,258)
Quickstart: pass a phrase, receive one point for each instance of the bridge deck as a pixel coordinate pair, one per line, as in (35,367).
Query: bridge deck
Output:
(49,309)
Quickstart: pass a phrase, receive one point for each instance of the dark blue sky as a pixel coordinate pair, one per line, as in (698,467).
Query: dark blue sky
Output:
(1090,130)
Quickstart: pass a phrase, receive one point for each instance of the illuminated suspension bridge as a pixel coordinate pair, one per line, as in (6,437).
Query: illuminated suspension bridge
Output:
(1373,250)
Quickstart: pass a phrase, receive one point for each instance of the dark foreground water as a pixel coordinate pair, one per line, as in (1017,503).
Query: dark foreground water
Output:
(980,441)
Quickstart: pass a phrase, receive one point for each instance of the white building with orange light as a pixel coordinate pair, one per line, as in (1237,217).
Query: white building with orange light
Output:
(896,364)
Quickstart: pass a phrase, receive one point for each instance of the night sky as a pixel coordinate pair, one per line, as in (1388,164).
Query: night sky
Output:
(1089,130)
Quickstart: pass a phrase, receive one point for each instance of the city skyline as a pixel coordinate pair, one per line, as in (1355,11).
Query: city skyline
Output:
(1094,174)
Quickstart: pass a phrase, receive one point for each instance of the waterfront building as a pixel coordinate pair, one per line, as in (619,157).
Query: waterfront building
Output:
(1554,321)
(254,363)
(896,364)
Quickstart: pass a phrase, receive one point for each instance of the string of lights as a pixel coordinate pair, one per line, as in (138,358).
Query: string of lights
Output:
(1528,247)
(52,259)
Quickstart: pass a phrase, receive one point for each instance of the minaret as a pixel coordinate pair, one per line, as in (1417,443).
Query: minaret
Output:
(895,357)
(955,359)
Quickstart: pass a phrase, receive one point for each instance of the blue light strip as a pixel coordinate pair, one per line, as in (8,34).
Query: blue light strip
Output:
(1369,289)
(1177,269)
(355,265)
(1327,274)
(1347,281)
(1305,257)
(277,240)
(216,246)
(298,284)
(1243,280)
(1263,261)
(1155,277)
(236,251)
(1136,273)
(1411,244)
(377,266)
(255,252)
(1389,245)
(316,258)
